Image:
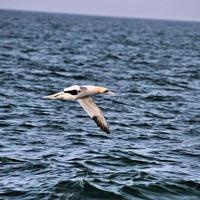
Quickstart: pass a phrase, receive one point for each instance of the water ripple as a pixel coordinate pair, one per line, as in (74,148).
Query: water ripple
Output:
(53,150)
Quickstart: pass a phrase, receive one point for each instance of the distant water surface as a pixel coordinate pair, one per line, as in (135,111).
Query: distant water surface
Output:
(52,150)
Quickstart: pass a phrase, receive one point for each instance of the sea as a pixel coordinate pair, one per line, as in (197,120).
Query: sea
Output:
(52,150)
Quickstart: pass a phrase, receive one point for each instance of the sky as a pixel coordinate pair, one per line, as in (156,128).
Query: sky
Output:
(155,9)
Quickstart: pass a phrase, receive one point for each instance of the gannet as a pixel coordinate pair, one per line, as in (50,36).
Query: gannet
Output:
(83,94)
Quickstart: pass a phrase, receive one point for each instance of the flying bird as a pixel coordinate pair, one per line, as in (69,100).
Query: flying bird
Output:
(84,94)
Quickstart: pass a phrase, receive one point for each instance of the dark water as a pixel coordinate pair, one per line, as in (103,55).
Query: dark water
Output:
(52,150)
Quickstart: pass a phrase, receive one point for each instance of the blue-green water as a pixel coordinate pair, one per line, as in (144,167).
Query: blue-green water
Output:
(52,150)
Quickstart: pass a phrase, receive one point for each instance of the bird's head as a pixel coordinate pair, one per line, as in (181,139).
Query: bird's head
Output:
(103,90)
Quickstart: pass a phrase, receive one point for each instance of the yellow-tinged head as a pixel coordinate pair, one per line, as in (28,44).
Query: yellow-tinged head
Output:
(100,90)
(103,90)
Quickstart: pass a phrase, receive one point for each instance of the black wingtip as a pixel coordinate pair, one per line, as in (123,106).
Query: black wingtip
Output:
(100,125)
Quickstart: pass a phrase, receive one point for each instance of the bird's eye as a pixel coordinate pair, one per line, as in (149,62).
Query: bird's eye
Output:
(79,91)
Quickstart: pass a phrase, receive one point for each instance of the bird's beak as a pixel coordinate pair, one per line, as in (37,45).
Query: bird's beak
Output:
(110,93)
(58,95)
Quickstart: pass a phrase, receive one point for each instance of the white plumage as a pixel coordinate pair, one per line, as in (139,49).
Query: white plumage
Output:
(84,96)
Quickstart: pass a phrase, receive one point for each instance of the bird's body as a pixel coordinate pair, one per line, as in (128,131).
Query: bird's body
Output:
(84,96)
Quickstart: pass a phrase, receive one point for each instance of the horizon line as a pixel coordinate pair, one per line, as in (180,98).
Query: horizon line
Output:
(101,15)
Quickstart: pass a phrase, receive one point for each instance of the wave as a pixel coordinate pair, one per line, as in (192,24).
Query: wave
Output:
(83,190)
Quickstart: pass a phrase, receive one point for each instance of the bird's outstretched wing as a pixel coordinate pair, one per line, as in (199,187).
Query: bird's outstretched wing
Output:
(94,112)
